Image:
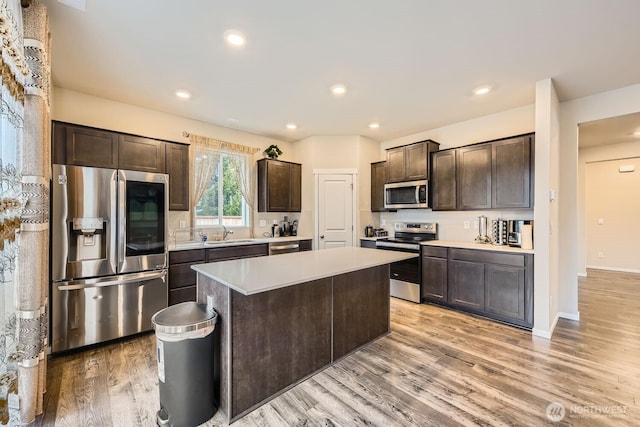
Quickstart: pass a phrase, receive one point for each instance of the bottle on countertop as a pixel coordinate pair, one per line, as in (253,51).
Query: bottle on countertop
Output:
(285,228)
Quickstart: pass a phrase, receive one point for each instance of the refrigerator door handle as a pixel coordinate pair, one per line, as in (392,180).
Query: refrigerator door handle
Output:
(111,281)
(122,218)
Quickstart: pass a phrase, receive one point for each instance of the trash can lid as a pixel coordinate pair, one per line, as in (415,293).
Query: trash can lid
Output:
(184,317)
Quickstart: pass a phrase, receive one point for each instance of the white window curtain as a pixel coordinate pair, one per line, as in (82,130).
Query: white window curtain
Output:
(247,180)
(205,155)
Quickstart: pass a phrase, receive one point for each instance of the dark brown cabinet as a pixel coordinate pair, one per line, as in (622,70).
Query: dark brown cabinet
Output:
(237,252)
(279,186)
(182,279)
(410,162)
(497,285)
(306,245)
(141,154)
(473,177)
(466,284)
(489,175)
(378,177)
(434,274)
(443,180)
(84,146)
(511,173)
(177,166)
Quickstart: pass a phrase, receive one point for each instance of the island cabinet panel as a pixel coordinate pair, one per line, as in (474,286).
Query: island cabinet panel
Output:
(300,336)
(84,146)
(466,284)
(141,154)
(474,177)
(360,308)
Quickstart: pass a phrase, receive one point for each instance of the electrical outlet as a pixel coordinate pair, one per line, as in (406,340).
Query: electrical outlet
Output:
(600,254)
(467,225)
(182,224)
(475,224)
(263,223)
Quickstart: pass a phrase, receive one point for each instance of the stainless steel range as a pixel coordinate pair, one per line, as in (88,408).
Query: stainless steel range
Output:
(406,276)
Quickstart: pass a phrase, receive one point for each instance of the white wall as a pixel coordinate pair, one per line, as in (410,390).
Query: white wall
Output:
(620,213)
(75,107)
(596,107)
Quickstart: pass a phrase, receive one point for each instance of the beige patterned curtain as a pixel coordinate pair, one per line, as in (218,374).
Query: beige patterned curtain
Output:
(248,183)
(205,155)
(33,288)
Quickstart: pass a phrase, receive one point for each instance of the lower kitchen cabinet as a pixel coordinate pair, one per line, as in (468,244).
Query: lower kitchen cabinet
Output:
(498,285)
(466,284)
(434,274)
(306,245)
(182,279)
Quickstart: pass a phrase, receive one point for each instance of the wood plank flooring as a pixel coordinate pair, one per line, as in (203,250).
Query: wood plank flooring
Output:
(436,368)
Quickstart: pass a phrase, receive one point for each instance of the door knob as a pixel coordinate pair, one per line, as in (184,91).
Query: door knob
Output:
(322,236)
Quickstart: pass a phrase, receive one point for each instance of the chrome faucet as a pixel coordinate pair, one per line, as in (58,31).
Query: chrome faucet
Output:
(226,232)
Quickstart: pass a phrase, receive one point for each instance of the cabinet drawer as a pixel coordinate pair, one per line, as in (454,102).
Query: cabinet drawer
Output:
(181,275)
(305,245)
(182,295)
(433,251)
(234,252)
(516,260)
(194,255)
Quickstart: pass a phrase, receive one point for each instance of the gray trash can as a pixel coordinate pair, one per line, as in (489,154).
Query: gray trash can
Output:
(185,347)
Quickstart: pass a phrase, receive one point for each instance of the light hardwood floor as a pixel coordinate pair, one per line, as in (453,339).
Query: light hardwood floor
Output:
(436,368)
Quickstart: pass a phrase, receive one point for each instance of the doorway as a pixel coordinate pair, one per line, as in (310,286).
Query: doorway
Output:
(335,209)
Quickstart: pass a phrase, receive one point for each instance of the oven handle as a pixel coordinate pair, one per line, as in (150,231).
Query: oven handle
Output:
(111,281)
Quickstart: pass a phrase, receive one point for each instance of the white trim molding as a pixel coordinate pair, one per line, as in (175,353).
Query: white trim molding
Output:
(570,316)
(621,270)
(546,334)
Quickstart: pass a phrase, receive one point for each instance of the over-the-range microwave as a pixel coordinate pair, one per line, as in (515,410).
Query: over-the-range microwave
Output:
(406,195)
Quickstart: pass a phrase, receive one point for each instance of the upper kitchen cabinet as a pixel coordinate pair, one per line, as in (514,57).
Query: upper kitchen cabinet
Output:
(410,162)
(141,154)
(378,177)
(279,186)
(511,173)
(84,146)
(443,180)
(177,165)
(474,177)
(489,175)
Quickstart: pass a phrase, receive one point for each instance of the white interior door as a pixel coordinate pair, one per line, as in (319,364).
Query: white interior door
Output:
(335,210)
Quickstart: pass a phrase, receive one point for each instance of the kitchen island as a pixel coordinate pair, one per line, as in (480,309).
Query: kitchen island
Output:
(284,318)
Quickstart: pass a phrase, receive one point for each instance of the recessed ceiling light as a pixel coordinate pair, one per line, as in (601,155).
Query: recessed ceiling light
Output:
(482,90)
(235,38)
(374,125)
(637,133)
(183,94)
(292,126)
(338,89)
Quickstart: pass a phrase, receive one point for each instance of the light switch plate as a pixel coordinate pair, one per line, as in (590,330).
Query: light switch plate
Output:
(263,223)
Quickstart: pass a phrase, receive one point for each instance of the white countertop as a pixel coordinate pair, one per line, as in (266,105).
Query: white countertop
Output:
(254,275)
(234,242)
(478,246)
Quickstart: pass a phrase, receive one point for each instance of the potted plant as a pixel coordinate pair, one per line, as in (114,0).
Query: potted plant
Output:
(272,151)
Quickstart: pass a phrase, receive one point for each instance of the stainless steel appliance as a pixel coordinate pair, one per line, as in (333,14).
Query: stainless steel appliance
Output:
(515,233)
(410,194)
(406,276)
(108,253)
(499,231)
(283,247)
(483,230)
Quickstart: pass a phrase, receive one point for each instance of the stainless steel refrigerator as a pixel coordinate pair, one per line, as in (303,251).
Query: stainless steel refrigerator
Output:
(108,253)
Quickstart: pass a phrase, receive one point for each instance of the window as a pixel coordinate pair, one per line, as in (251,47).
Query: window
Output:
(222,202)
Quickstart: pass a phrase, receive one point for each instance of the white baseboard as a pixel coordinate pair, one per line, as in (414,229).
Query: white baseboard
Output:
(570,316)
(583,274)
(546,334)
(621,270)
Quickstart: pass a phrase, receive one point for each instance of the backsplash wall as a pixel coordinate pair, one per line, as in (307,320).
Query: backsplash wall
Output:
(450,223)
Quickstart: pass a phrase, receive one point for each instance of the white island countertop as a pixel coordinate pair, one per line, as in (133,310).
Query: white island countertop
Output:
(254,275)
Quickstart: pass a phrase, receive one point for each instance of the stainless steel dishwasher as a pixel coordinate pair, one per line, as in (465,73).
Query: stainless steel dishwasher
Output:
(277,248)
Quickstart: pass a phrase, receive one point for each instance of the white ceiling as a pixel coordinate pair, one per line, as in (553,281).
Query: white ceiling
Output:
(614,130)
(409,64)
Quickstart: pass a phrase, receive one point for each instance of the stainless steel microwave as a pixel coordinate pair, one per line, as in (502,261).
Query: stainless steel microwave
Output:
(406,195)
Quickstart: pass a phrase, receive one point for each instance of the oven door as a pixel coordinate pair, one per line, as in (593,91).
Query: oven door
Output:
(405,276)
(143,201)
